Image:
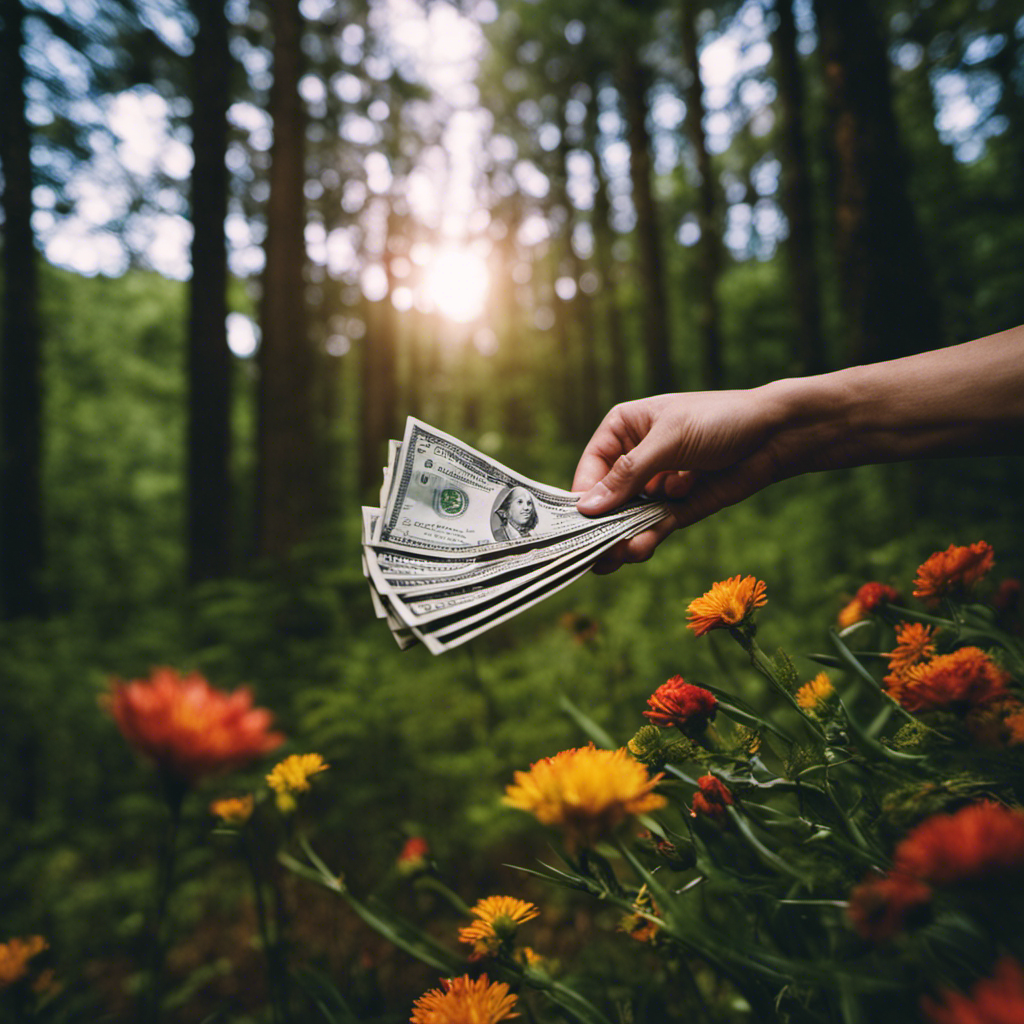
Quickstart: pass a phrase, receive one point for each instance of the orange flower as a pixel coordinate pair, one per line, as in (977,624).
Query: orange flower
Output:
(961,681)
(712,797)
(190,729)
(851,613)
(587,791)
(977,842)
(464,1001)
(497,920)
(234,811)
(677,702)
(880,907)
(815,695)
(995,1000)
(726,604)
(914,643)
(15,955)
(1015,728)
(952,571)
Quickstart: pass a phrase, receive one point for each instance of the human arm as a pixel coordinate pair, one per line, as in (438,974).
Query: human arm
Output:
(707,450)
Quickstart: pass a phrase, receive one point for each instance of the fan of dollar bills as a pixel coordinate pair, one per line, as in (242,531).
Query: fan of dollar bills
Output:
(461,543)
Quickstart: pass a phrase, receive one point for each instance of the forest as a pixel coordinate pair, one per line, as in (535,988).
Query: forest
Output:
(242,241)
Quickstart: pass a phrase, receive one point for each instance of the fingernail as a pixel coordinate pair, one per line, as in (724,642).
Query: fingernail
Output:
(594,499)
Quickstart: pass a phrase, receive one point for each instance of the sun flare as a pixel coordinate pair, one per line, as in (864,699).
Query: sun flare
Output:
(456,283)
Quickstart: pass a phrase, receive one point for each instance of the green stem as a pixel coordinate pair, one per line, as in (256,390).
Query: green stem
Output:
(763,664)
(271,948)
(436,885)
(174,794)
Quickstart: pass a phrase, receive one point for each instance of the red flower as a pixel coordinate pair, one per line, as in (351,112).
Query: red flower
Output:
(679,703)
(880,907)
(413,857)
(190,729)
(966,679)
(712,797)
(976,842)
(1006,599)
(871,595)
(995,1000)
(952,571)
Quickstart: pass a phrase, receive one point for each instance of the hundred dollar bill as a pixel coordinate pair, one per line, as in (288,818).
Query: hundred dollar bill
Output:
(417,608)
(448,634)
(449,500)
(461,543)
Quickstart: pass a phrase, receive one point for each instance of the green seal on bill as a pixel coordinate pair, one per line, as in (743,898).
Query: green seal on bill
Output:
(451,502)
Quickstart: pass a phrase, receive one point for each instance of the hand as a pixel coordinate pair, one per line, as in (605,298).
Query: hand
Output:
(701,450)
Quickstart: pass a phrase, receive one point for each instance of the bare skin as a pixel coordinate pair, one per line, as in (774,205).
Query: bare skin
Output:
(707,450)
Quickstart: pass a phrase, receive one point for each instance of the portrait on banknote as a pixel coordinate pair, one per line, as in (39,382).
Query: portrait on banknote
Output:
(514,514)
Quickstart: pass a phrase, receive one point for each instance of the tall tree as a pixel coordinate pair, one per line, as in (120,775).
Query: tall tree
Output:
(287,437)
(884,279)
(797,193)
(634,79)
(21,500)
(709,247)
(209,360)
(604,261)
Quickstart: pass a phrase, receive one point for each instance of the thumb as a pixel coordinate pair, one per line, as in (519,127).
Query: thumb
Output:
(627,477)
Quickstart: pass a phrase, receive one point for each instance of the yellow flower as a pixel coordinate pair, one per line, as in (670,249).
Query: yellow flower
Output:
(589,792)
(463,1001)
(814,695)
(497,920)
(525,956)
(726,604)
(15,955)
(292,776)
(233,811)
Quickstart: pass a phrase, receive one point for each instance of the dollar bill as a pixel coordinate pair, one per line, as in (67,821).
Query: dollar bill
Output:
(449,500)
(461,543)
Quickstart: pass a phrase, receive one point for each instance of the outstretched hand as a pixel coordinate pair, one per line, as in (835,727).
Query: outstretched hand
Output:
(701,450)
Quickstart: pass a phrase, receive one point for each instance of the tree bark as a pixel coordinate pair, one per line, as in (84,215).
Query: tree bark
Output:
(885,283)
(21,444)
(209,360)
(634,82)
(709,247)
(797,195)
(288,493)
(379,390)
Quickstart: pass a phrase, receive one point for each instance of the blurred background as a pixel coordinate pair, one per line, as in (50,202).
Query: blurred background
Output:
(243,240)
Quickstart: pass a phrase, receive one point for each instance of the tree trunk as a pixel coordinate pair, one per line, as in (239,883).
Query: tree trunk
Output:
(709,248)
(288,504)
(660,375)
(604,262)
(21,498)
(209,360)
(379,391)
(797,195)
(884,280)
(588,408)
